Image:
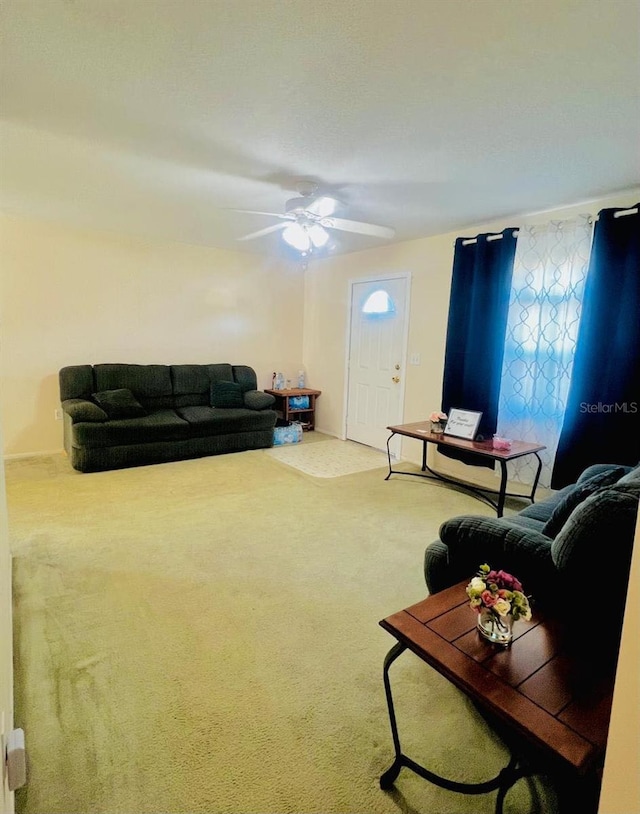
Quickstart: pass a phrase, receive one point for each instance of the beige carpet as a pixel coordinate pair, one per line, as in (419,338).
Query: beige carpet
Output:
(331,459)
(203,636)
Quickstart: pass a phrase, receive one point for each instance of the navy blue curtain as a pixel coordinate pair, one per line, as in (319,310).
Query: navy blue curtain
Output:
(478,308)
(602,419)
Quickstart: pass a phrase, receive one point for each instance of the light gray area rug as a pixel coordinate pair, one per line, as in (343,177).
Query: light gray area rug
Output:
(203,636)
(330,459)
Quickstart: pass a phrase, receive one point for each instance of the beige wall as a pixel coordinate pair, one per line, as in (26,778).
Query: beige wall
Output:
(75,297)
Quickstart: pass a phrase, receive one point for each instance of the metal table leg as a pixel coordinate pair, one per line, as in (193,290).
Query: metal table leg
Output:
(389,456)
(502,781)
(537,477)
(503,488)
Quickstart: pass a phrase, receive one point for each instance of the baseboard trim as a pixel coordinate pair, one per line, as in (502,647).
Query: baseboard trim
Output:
(328,432)
(16,456)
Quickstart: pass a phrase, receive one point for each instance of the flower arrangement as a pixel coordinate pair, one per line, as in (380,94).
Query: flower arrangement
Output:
(437,416)
(499,599)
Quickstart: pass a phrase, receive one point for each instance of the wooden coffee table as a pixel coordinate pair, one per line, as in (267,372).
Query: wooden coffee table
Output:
(546,706)
(421,430)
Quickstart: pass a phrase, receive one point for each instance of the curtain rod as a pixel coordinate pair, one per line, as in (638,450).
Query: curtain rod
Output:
(633,211)
(490,237)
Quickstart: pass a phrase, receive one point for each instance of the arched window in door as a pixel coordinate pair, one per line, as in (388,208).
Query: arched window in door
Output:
(379,303)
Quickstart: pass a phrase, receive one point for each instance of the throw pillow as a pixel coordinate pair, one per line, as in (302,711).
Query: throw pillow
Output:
(226,394)
(119,403)
(576,496)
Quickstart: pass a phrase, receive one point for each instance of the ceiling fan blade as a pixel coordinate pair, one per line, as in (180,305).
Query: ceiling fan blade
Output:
(270,214)
(322,206)
(358,226)
(264,231)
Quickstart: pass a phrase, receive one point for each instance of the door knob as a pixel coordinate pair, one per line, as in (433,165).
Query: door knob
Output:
(395,379)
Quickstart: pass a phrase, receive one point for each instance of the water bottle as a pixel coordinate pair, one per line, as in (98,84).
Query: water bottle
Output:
(301,379)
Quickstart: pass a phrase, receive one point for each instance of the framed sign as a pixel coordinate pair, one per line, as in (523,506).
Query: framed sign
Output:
(462,423)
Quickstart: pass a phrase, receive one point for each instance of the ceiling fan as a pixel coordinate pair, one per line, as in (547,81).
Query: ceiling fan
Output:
(307,218)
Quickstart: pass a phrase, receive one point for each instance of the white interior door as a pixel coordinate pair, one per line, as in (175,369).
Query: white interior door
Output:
(377,350)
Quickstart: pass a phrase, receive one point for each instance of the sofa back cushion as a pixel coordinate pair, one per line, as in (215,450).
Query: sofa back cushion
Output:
(220,373)
(598,534)
(574,497)
(191,385)
(150,384)
(632,476)
(154,386)
(76,382)
(226,395)
(246,377)
(592,554)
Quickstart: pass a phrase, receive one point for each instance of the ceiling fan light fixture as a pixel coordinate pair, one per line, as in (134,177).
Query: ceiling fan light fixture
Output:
(318,235)
(297,236)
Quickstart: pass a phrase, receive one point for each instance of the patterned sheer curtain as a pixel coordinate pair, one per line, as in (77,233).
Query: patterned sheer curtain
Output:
(549,273)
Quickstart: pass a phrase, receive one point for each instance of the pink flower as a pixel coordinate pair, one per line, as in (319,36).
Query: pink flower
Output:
(488,599)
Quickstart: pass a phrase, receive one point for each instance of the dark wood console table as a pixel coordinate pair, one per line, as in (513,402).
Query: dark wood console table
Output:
(537,694)
(421,430)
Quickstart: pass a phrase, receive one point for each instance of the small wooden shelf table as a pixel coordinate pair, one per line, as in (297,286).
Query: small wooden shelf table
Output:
(305,414)
(547,706)
(483,449)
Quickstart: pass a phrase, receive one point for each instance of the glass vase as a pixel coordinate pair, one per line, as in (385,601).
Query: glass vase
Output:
(495,628)
(437,427)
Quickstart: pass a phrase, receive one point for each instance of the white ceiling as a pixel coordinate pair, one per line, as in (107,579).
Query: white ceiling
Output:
(154,117)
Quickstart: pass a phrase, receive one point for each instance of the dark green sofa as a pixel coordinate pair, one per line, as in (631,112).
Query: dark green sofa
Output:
(121,415)
(572,552)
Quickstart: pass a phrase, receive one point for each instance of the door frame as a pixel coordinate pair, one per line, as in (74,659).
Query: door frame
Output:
(398,275)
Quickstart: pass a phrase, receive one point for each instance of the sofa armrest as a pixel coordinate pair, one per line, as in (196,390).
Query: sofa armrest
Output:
(474,533)
(524,552)
(83,410)
(257,400)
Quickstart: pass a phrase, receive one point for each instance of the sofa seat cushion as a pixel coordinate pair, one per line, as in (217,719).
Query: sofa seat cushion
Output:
(159,425)
(224,420)
(543,510)
(531,523)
